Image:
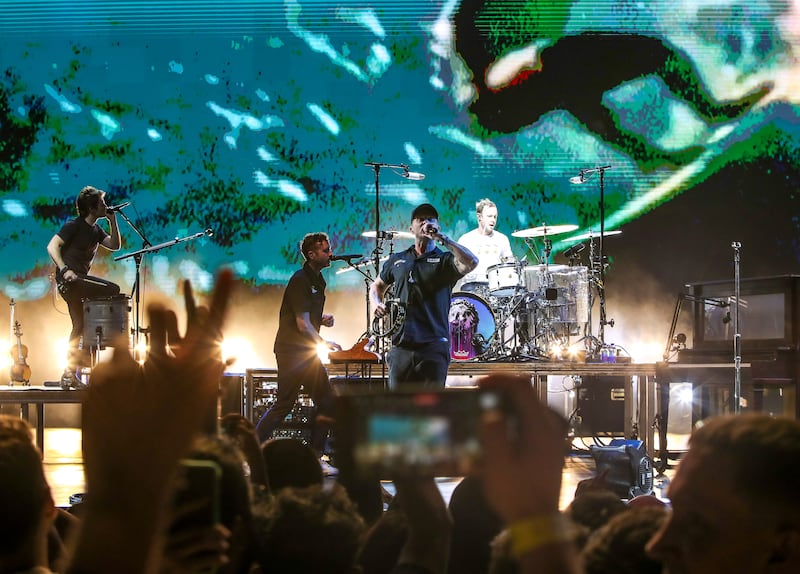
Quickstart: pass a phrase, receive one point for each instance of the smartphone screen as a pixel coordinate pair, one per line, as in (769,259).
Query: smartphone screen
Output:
(196,500)
(433,433)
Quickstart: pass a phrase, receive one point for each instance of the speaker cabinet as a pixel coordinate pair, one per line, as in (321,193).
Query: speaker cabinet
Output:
(601,407)
(231,394)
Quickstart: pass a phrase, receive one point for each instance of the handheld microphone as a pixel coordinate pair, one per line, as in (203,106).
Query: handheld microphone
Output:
(115,208)
(578,179)
(412,175)
(348,257)
(430,228)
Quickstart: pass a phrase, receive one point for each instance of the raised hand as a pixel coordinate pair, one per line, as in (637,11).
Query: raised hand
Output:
(137,423)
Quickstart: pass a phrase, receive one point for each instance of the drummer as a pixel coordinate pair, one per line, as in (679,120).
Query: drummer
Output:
(72,249)
(490,246)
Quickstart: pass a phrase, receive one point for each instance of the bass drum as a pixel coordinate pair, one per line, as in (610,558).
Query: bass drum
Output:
(472,326)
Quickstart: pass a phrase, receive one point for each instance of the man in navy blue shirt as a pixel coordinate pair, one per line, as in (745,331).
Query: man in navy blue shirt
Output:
(298,339)
(422,278)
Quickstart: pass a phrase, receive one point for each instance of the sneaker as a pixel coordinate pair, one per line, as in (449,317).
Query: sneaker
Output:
(70,381)
(327,468)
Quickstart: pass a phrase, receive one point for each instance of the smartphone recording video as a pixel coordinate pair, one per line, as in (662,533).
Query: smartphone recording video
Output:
(430,433)
(196,500)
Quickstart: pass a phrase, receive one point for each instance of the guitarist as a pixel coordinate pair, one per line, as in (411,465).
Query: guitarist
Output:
(72,249)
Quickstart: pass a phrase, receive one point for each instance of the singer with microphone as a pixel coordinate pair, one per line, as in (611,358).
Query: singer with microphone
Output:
(72,249)
(422,277)
(297,341)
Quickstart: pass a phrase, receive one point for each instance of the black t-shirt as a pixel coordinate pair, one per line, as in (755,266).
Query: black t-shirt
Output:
(305,292)
(80,244)
(423,284)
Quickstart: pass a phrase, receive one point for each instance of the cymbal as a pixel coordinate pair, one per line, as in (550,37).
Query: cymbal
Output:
(389,234)
(544,230)
(593,234)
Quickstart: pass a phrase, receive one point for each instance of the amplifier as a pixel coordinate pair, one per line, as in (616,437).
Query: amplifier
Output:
(301,434)
(601,406)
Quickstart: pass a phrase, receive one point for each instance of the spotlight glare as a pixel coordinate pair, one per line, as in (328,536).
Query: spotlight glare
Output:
(686,395)
(644,351)
(322,352)
(142,348)
(240,351)
(61,348)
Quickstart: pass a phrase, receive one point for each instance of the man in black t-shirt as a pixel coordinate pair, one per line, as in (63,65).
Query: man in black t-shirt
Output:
(298,338)
(423,277)
(72,249)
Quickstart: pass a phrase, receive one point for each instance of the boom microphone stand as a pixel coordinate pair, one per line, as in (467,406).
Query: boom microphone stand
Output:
(601,283)
(138,255)
(401,170)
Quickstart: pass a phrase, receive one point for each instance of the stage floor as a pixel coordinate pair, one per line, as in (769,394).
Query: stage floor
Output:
(63,465)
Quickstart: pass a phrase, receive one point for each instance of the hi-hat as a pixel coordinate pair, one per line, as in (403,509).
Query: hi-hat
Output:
(389,234)
(593,234)
(544,230)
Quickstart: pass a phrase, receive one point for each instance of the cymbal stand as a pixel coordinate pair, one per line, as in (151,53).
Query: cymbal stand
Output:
(737,335)
(503,348)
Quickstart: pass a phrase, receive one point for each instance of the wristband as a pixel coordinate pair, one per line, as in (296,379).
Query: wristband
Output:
(64,269)
(531,533)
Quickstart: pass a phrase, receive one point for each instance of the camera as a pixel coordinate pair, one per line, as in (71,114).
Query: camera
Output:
(410,432)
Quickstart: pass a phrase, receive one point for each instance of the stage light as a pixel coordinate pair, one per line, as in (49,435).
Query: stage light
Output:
(61,349)
(557,351)
(686,394)
(142,348)
(240,351)
(644,351)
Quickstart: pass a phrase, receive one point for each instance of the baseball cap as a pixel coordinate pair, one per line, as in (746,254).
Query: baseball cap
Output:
(424,210)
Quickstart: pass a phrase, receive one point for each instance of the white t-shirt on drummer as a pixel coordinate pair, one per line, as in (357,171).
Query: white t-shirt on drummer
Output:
(489,249)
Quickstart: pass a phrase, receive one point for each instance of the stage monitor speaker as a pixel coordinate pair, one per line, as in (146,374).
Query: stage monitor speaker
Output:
(629,469)
(601,406)
(231,394)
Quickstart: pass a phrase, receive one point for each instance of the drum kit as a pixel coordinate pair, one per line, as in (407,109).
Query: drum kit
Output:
(525,312)
(521,312)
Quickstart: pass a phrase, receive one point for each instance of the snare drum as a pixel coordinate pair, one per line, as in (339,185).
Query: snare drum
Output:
(504,279)
(104,320)
(472,326)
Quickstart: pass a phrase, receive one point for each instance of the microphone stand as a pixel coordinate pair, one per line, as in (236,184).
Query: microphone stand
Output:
(376,167)
(138,255)
(601,289)
(135,290)
(737,336)
(601,283)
